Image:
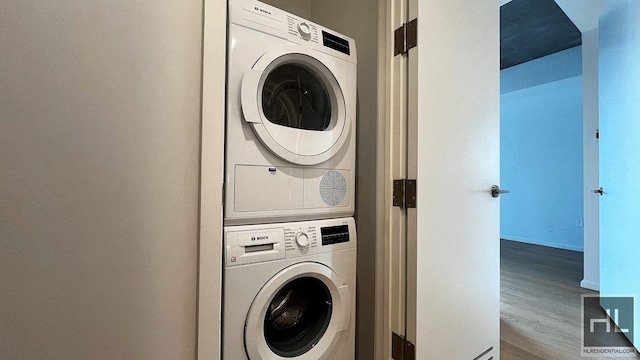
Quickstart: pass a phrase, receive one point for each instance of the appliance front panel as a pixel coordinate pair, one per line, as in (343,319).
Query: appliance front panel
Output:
(251,196)
(258,293)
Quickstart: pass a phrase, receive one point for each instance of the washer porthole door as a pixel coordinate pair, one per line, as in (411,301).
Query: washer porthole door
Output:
(300,313)
(297,317)
(294,101)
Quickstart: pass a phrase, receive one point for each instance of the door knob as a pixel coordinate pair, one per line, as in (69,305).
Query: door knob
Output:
(599,191)
(496,191)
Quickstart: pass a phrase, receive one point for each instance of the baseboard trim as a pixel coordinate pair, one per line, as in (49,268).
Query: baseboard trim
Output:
(542,243)
(590,285)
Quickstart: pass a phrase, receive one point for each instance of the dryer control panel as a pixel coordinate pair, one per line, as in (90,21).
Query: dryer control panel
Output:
(302,29)
(271,20)
(249,244)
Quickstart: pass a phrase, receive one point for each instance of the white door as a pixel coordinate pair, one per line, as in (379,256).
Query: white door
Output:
(458,147)
(450,145)
(619,162)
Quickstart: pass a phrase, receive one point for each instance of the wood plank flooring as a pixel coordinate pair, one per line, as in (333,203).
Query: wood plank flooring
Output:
(541,303)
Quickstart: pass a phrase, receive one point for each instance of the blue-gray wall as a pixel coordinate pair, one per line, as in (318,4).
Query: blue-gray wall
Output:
(619,64)
(541,151)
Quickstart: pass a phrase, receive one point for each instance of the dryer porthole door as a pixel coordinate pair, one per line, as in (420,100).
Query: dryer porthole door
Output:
(294,100)
(301,312)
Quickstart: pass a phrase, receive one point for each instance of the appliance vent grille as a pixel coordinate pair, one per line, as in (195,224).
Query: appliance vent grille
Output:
(333,188)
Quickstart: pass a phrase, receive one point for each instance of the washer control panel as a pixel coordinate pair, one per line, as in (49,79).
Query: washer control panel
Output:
(302,29)
(313,237)
(334,234)
(246,244)
(302,237)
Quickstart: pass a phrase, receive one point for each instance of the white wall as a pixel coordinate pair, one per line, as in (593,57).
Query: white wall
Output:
(619,111)
(99,136)
(590,110)
(584,14)
(547,69)
(541,144)
(301,8)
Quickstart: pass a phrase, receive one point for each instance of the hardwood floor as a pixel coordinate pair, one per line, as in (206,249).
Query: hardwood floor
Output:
(541,303)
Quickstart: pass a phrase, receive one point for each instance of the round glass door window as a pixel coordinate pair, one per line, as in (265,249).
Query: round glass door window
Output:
(293,96)
(297,317)
(294,101)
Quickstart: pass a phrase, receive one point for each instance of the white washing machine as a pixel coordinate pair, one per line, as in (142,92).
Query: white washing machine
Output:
(291,108)
(289,291)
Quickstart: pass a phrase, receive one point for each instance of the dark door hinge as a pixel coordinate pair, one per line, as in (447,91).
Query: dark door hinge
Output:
(404,193)
(402,349)
(405,37)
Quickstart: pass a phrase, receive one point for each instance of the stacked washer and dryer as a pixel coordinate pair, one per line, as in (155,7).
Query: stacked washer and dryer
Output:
(289,236)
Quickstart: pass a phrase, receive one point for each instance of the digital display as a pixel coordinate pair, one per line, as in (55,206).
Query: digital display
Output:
(335,43)
(334,234)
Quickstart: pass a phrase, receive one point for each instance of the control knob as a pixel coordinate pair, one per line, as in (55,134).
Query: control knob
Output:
(302,239)
(304,30)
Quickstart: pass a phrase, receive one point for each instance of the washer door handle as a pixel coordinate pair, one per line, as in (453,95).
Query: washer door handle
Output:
(345,311)
(249,96)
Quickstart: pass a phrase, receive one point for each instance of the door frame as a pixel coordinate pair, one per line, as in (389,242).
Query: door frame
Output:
(390,235)
(209,293)
(382,336)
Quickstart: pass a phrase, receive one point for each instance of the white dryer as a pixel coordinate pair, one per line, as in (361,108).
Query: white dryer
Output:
(291,108)
(289,291)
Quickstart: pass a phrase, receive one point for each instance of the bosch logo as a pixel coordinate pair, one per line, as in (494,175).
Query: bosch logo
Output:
(262,10)
(258,238)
